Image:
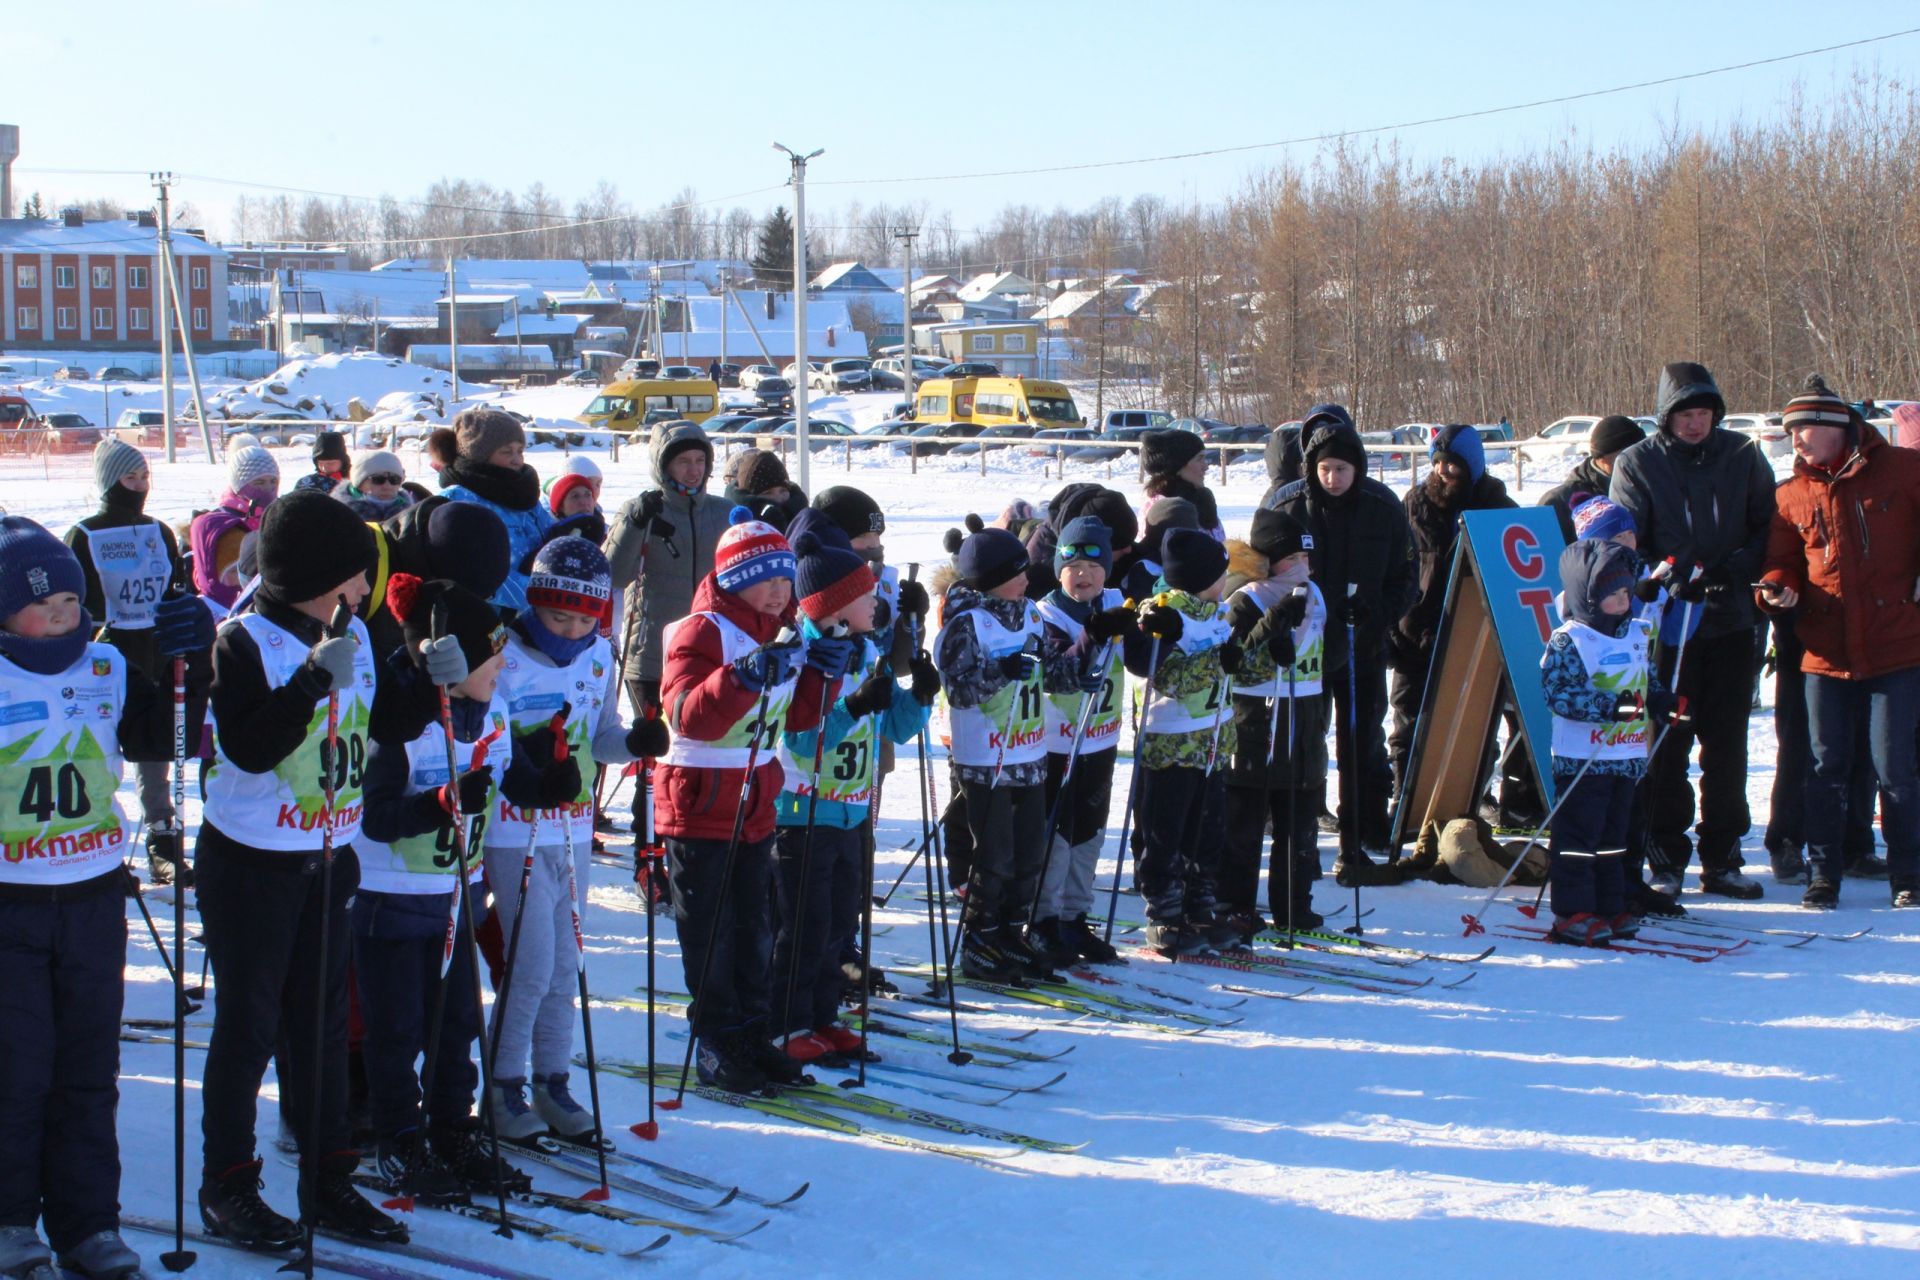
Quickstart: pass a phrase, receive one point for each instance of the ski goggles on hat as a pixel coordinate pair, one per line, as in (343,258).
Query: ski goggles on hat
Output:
(1082,551)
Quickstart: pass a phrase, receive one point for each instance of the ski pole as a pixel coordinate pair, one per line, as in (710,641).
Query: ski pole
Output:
(153,931)
(936,880)
(918,849)
(1006,730)
(806,853)
(556,726)
(651,860)
(1133,794)
(1293,777)
(1225,697)
(601,1192)
(1352,787)
(1472,918)
(1089,702)
(179,1258)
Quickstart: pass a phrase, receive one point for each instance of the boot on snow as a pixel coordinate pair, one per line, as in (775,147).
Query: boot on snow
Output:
(339,1208)
(231,1208)
(462,1149)
(1093,948)
(566,1119)
(1582,929)
(1731,883)
(1173,939)
(25,1256)
(101,1256)
(982,959)
(720,1064)
(513,1120)
(408,1167)
(771,1061)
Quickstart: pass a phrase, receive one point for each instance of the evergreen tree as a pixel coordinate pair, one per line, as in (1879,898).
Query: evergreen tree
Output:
(773,250)
(34,208)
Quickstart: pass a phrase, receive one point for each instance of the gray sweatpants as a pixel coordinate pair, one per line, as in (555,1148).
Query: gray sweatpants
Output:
(154,781)
(1067,889)
(536,1018)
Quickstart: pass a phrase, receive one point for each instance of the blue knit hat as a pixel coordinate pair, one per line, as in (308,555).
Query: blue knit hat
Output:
(1599,518)
(990,558)
(1463,444)
(571,573)
(34,565)
(1084,538)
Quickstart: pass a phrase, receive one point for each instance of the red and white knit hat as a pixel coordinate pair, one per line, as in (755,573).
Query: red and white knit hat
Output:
(1817,406)
(750,551)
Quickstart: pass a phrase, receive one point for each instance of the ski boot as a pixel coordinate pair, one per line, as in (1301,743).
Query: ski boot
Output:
(101,1256)
(339,1208)
(1049,937)
(231,1208)
(513,1120)
(409,1168)
(1821,895)
(1623,925)
(1906,895)
(982,959)
(1731,883)
(1093,948)
(1174,938)
(1024,950)
(770,1061)
(719,1063)
(566,1119)
(24,1256)
(1582,929)
(805,1048)
(462,1149)
(165,863)
(844,1040)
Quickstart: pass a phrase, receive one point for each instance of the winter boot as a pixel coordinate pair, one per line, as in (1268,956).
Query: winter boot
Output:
(1868,866)
(720,1063)
(566,1118)
(770,1061)
(1582,929)
(1050,937)
(231,1208)
(339,1208)
(1821,895)
(1788,866)
(1665,883)
(409,1168)
(1017,945)
(1173,938)
(1219,928)
(101,1256)
(1093,948)
(24,1256)
(165,861)
(462,1149)
(513,1120)
(1906,895)
(982,960)
(1647,900)
(806,1047)
(840,1037)
(1731,883)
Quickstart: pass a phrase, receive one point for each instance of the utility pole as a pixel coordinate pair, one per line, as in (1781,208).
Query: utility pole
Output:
(453,335)
(162,259)
(723,333)
(802,366)
(906,238)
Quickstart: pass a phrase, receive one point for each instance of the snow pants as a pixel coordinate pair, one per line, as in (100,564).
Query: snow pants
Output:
(1888,705)
(1066,889)
(1717,682)
(1250,812)
(1007,826)
(734,995)
(535,1021)
(1183,813)
(1587,843)
(819,914)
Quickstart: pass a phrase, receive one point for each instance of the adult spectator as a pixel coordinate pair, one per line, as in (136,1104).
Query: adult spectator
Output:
(1786,834)
(1362,560)
(1109,506)
(757,479)
(662,545)
(491,469)
(1457,483)
(1175,465)
(1844,548)
(253,482)
(1702,495)
(1593,474)
(373,489)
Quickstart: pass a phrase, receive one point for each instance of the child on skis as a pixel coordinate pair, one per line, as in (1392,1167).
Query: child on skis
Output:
(821,813)
(1280,617)
(403,910)
(1089,619)
(76,709)
(1187,656)
(561,688)
(733,680)
(1605,695)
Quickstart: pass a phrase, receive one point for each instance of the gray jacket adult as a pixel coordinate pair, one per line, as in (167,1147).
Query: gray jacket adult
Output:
(1710,503)
(674,563)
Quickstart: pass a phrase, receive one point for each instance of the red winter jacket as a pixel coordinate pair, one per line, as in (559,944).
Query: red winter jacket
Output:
(703,698)
(1849,543)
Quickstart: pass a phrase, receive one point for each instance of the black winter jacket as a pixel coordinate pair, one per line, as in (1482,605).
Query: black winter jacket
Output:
(1435,531)
(1584,478)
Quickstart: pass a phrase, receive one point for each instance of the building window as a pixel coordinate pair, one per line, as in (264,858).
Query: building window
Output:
(197,278)
(26,276)
(63,277)
(136,277)
(1015,342)
(199,317)
(138,318)
(29,318)
(103,317)
(66,318)
(982,342)
(102,277)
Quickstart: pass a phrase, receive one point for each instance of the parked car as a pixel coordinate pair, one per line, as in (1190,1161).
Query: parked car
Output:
(991,437)
(1768,429)
(581,378)
(17,413)
(792,372)
(935,438)
(1048,444)
(118,373)
(879,379)
(751,375)
(729,374)
(889,427)
(680,373)
(846,374)
(1197,426)
(1224,433)
(70,431)
(820,431)
(733,424)
(71,373)
(774,393)
(1146,419)
(1385,436)
(969,369)
(893,369)
(639,368)
(1570,429)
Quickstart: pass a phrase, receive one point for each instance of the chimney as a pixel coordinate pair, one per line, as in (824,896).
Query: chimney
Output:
(9,152)
(71,217)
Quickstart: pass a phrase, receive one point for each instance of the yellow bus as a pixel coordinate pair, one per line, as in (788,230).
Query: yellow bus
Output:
(629,406)
(1034,402)
(944,400)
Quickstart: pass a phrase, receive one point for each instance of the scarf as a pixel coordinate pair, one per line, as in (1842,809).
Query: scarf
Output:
(47,655)
(560,650)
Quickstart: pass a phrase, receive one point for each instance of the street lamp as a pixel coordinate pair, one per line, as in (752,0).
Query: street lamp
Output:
(801,364)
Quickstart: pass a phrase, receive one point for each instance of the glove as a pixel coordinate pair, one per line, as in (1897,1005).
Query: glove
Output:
(443,661)
(831,656)
(874,694)
(1291,611)
(766,668)
(560,783)
(649,506)
(182,625)
(648,739)
(913,600)
(926,679)
(1359,613)
(1092,679)
(1690,592)
(1628,706)
(1116,623)
(1243,614)
(1161,621)
(468,793)
(539,746)
(1019,667)
(1647,590)
(1678,714)
(332,661)
(1280,645)
(1231,655)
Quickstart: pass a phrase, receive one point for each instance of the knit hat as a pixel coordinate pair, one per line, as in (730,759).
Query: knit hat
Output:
(1613,433)
(1110,507)
(750,551)
(310,544)
(1599,518)
(470,619)
(1084,538)
(986,558)
(1013,515)
(34,565)
(853,511)
(760,471)
(378,463)
(563,486)
(580,464)
(1906,425)
(330,444)
(1277,535)
(468,543)
(1191,560)
(571,574)
(828,577)
(478,432)
(1164,452)
(113,461)
(1463,445)
(1817,406)
(249,466)
(242,440)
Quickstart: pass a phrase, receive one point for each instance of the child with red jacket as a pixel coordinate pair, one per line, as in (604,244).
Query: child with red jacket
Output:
(735,678)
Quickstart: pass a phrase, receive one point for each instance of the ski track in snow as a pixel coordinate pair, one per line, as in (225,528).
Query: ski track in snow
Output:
(1606,1112)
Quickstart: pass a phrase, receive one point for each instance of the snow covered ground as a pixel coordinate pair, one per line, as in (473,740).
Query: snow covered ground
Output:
(1562,1112)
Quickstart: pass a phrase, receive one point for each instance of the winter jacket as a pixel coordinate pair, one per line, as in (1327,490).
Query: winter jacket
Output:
(703,698)
(901,722)
(1849,543)
(1062,509)
(373,510)
(1585,478)
(514,496)
(1180,674)
(1709,503)
(139,646)
(319,482)
(215,538)
(1435,531)
(970,679)
(1362,537)
(667,575)
(1284,461)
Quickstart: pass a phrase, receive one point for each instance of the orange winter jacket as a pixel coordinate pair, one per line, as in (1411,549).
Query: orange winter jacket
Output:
(1849,544)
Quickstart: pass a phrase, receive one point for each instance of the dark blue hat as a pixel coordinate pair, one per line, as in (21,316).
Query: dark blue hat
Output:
(1191,560)
(34,565)
(1084,538)
(1463,444)
(990,558)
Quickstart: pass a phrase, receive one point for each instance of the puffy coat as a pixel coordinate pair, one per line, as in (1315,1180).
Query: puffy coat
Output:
(1435,531)
(514,496)
(1849,544)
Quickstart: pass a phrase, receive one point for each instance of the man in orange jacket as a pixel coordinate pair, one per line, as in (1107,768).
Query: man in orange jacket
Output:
(1844,550)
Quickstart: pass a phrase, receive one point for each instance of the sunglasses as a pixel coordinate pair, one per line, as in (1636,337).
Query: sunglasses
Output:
(386,477)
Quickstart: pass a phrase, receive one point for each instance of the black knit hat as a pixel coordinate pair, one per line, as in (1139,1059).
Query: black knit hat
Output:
(1192,561)
(853,511)
(468,543)
(986,558)
(760,471)
(1110,508)
(1164,452)
(470,619)
(310,543)
(1277,535)
(331,444)
(1613,433)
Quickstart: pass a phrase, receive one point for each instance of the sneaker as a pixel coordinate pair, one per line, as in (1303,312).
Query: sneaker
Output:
(839,1037)
(409,1168)
(983,961)
(1731,884)
(1582,929)
(101,1256)
(1868,866)
(720,1064)
(1906,896)
(1789,867)
(1646,900)
(566,1118)
(806,1047)
(1624,925)
(767,1058)
(231,1208)
(463,1150)
(1821,895)
(25,1255)
(513,1120)
(1093,948)
(1665,883)
(339,1208)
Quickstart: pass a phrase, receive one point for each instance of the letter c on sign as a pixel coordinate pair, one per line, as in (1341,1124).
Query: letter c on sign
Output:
(1522,550)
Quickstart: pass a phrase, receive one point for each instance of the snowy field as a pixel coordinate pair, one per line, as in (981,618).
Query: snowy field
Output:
(1561,1112)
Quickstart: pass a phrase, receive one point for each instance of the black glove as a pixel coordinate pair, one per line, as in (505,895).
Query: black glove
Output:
(831,656)
(1291,611)
(926,679)
(1689,592)
(182,625)
(1243,613)
(1359,613)
(1280,645)
(1629,706)
(874,694)
(648,739)
(1116,623)
(560,783)
(1161,621)
(913,600)
(648,507)
(1019,667)
(539,746)
(1647,590)
(1231,655)
(468,793)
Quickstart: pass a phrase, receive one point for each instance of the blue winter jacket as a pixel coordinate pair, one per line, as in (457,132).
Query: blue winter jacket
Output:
(527,524)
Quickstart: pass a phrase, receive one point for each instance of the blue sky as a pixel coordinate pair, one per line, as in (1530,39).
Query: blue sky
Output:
(365,98)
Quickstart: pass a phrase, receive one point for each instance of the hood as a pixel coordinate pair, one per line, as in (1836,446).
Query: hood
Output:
(1283,456)
(1585,567)
(1332,439)
(709,598)
(1244,565)
(1686,385)
(672,437)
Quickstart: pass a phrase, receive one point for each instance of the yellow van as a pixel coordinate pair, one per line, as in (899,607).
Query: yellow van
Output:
(944,400)
(630,406)
(1035,402)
